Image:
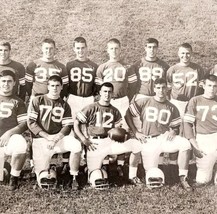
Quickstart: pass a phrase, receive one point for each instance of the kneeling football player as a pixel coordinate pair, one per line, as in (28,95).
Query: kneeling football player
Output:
(12,125)
(160,126)
(99,118)
(50,121)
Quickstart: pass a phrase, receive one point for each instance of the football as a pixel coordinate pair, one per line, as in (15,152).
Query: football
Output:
(117,134)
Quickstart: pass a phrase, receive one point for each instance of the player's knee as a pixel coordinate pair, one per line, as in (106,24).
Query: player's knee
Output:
(136,146)
(74,144)
(17,144)
(184,144)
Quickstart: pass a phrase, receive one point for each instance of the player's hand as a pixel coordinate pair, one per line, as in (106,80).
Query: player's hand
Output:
(198,153)
(51,144)
(90,145)
(5,138)
(141,137)
(170,135)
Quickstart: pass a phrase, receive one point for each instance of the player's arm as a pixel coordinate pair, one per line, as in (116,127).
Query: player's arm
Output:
(29,77)
(129,120)
(85,140)
(98,79)
(132,82)
(20,128)
(65,79)
(22,82)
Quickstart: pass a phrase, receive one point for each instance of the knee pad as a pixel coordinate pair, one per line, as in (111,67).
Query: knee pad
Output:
(74,144)
(17,144)
(184,144)
(136,146)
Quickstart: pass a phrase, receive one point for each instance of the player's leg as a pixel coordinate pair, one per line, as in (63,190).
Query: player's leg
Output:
(69,143)
(133,146)
(16,147)
(207,144)
(182,145)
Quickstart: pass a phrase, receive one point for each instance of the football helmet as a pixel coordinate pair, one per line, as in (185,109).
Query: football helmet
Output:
(155,178)
(98,179)
(47,179)
(117,134)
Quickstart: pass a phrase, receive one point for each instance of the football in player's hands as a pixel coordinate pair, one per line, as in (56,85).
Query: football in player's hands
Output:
(117,134)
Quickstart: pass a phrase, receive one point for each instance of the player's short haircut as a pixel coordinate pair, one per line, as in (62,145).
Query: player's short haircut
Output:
(5,43)
(107,84)
(186,45)
(160,81)
(55,78)
(8,73)
(152,40)
(210,77)
(80,40)
(49,41)
(114,40)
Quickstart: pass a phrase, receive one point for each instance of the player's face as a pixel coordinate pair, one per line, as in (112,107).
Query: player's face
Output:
(184,55)
(6,85)
(54,88)
(4,53)
(80,50)
(106,94)
(151,50)
(210,88)
(160,90)
(48,51)
(114,50)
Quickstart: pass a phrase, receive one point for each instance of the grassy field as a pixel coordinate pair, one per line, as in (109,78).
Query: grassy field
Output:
(25,23)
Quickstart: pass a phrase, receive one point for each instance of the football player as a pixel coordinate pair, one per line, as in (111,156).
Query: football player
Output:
(160,128)
(115,71)
(39,71)
(12,125)
(50,121)
(81,72)
(99,118)
(201,113)
(6,63)
(184,79)
(146,70)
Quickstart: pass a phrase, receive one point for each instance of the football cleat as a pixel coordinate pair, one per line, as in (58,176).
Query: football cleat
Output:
(135,181)
(98,179)
(184,184)
(13,184)
(155,178)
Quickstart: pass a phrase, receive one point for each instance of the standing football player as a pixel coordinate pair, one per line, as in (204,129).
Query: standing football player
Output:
(81,72)
(99,118)
(12,125)
(50,121)
(147,70)
(6,63)
(39,71)
(200,119)
(184,79)
(159,131)
(115,71)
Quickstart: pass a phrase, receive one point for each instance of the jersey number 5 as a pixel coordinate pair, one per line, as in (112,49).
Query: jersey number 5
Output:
(5,109)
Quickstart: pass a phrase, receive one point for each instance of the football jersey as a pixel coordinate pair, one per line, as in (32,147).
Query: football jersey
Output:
(19,70)
(117,74)
(81,76)
(12,113)
(156,117)
(203,113)
(184,81)
(48,115)
(38,73)
(146,72)
(99,119)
